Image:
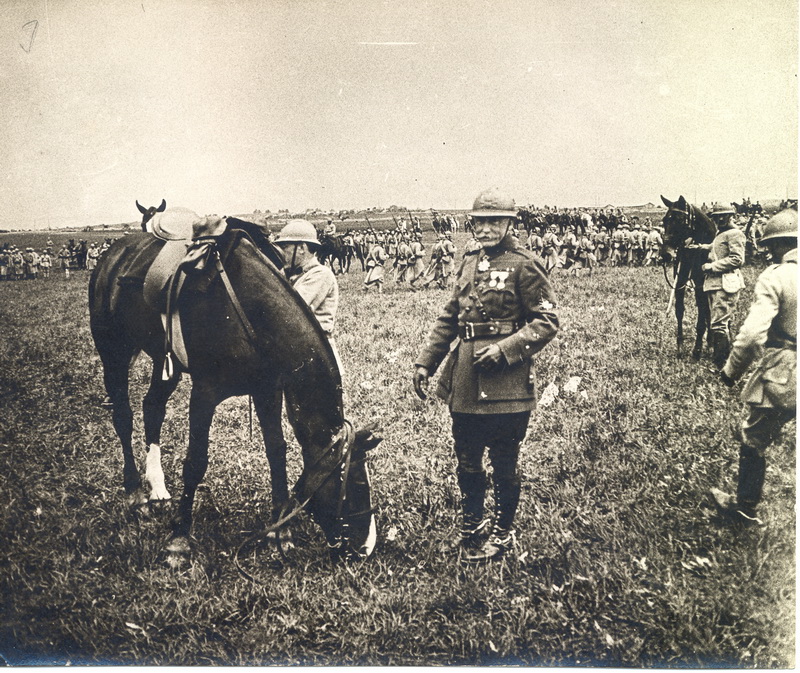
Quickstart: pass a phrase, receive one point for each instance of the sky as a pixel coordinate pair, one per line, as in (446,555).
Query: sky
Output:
(227,106)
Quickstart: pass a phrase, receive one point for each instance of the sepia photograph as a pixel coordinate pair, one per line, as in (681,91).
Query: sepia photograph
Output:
(398,333)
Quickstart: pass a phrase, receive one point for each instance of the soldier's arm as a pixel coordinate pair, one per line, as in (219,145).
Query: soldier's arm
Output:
(314,285)
(735,257)
(541,322)
(747,346)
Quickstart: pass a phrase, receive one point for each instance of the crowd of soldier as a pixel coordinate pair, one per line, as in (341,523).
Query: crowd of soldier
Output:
(29,264)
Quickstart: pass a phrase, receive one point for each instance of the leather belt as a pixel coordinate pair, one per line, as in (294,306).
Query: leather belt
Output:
(468,331)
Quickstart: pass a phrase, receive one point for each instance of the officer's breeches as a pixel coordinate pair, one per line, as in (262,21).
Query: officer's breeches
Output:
(762,425)
(722,305)
(501,433)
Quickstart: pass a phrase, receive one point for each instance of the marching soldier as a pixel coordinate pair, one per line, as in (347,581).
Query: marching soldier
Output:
(376,258)
(769,331)
(500,314)
(551,247)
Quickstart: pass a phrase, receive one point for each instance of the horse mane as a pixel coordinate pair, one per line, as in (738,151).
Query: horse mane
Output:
(703,225)
(231,239)
(260,238)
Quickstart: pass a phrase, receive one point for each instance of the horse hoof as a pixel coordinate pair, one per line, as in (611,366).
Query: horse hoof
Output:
(136,500)
(696,353)
(159,495)
(179,552)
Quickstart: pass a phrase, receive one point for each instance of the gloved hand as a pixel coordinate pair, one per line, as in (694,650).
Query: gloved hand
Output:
(706,267)
(489,358)
(421,376)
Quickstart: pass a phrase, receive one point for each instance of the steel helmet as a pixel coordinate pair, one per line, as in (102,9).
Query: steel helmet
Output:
(298,231)
(781,225)
(493,203)
(721,209)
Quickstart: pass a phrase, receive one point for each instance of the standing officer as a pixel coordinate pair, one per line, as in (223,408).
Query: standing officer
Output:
(723,280)
(770,394)
(501,313)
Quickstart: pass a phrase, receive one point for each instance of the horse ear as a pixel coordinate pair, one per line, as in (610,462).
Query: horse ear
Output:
(141,208)
(682,202)
(667,202)
(162,207)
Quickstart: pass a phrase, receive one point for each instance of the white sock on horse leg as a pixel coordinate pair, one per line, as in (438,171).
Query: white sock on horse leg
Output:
(154,474)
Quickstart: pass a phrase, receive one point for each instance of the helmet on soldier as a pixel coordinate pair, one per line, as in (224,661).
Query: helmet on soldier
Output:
(721,209)
(298,231)
(780,225)
(493,203)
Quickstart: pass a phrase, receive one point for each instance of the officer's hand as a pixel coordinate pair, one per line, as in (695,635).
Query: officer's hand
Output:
(706,267)
(421,376)
(489,357)
(727,380)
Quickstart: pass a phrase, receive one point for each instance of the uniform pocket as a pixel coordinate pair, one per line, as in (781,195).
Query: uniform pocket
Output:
(512,382)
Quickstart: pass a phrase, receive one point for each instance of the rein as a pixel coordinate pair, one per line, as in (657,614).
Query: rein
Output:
(346,435)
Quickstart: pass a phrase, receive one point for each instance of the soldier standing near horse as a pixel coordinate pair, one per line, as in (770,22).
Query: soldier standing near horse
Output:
(313,281)
(770,395)
(501,313)
(723,280)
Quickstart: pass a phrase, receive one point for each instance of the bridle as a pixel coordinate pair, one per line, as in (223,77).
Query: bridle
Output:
(689,219)
(344,437)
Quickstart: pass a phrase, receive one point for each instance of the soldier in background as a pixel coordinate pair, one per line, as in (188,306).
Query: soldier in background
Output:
(770,333)
(500,314)
(723,279)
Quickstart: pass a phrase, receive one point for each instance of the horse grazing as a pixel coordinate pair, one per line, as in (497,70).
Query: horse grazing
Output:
(149,213)
(682,222)
(332,248)
(246,332)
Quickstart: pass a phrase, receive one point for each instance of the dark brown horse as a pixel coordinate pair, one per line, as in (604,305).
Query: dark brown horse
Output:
(246,332)
(686,226)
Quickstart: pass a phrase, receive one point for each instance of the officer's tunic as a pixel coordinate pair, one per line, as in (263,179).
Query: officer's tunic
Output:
(769,332)
(507,289)
(723,282)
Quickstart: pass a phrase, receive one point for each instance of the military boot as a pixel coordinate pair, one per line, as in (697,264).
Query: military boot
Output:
(473,524)
(722,347)
(742,508)
(502,538)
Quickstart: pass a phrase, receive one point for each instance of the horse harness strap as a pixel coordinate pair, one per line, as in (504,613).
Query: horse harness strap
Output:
(248,328)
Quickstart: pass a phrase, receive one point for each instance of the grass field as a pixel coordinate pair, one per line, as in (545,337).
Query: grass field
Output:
(620,561)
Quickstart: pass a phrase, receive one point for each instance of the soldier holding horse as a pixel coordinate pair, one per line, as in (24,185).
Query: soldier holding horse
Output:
(687,230)
(245,331)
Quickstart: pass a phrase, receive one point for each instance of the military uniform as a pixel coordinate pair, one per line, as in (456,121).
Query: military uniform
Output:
(501,296)
(770,328)
(722,283)
(770,396)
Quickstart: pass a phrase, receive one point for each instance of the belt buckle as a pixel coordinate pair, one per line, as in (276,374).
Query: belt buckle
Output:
(469,331)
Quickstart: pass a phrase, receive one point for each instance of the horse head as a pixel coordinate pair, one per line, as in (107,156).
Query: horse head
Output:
(148,213)
(676,227)
(339,495)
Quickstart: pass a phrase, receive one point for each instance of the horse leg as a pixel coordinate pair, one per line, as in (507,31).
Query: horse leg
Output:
(117,358)
(202,403)
(268,408)
(154,409)
(703,319)
(680,309)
